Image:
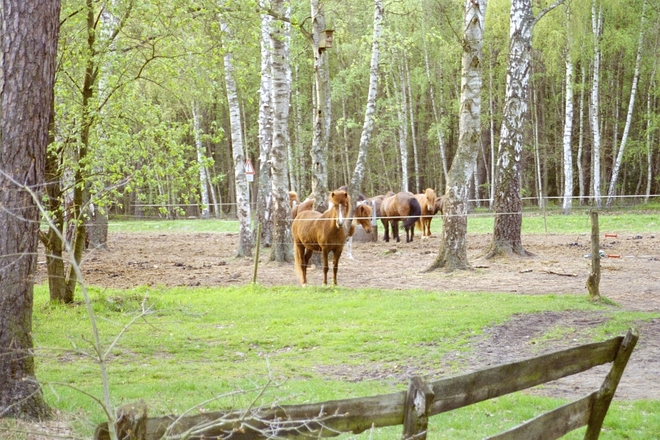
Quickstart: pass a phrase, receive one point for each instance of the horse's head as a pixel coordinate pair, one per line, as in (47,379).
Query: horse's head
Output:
(363,216)
(430,199)
(341,201)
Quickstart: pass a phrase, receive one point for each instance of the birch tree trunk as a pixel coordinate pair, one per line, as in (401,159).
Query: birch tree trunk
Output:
(282,239)
(626,130)
(452,254)
(402,111)
(568,130)
(322,115)
(203,178)
(245,243)
(265,190)
(28,44)
(583,73)
(508,204)
(367,127)
(411,111)
(596,26)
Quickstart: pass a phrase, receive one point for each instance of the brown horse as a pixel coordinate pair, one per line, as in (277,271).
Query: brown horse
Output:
(313,231)
(401,206)
(361,216)
(427,204)
(440,205)
(293,199)
(307,205)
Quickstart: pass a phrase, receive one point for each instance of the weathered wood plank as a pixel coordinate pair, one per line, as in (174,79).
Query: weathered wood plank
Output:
(460,391)
(330,419)
(610,384)
(552,424)
(416,411)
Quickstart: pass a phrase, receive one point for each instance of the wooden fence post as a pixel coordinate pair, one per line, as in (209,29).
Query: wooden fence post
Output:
(416,410)
(611,382)
(593,281)
(132,421)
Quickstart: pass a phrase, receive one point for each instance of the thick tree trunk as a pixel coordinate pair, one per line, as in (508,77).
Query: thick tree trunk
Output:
(633,93)
(367,127)
(282,239)
(507,229)
(29,50)
(245,242)
(453,248)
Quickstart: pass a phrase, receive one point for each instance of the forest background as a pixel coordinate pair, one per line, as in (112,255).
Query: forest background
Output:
(143,119)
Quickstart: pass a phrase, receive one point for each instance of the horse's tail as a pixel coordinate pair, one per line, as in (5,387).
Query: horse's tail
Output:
(414,215)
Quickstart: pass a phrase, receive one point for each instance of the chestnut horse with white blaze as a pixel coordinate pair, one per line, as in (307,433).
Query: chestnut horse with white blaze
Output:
(313,231)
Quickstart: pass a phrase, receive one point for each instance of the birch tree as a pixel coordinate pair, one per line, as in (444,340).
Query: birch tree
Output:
(594,110)
(633,92)
(199,149)
(29,49)
(452,254)
(322,112)
(265,189)
(367,127)
(245,242)
(568,124)
(508,203)
(281,90)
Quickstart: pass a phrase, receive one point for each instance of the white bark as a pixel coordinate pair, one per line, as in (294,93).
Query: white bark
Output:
(633,93)
(282,238)
(583,73)
(568,130)
(203,178)
(411,111)
(596,26)
(264,195)
(402,112)
(367,127)
(240,181)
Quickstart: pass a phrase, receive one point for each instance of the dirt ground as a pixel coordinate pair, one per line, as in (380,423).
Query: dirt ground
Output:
(630,278)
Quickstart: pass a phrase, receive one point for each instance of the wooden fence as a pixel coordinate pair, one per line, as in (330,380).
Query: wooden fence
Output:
(409,408)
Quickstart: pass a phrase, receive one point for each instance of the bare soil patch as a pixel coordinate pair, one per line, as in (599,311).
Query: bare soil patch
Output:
(631,279)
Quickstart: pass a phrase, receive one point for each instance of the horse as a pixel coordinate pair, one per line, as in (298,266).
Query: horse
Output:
(307,205)
(293,199)
(362,217)
(401,206)
(440,205)
(313,231)
(427,204)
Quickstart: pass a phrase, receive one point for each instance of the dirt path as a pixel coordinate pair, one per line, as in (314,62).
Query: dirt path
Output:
(632,280)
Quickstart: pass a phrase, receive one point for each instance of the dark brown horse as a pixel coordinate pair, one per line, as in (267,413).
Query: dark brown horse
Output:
(313,231)
(427,204)
(401,206)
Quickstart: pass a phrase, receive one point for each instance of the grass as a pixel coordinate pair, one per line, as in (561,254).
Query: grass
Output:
(201,343)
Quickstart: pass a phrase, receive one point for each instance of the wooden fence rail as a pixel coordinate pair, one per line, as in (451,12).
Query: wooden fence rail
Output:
(409,408)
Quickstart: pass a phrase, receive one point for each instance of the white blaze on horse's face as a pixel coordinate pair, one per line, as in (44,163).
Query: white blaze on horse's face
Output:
(340,219)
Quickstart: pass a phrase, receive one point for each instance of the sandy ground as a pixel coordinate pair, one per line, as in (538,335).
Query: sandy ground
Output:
(631,280)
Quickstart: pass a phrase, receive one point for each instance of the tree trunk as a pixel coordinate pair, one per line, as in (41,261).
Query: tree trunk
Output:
(282,239)
(633,93)
(508,204)
(402,111)
(583,73)
(245,242)
(452,254)
(265,192)
(411,112)
(568,130)
(29,40)
(367,127)
(322,116)
(203,178)
(596,24)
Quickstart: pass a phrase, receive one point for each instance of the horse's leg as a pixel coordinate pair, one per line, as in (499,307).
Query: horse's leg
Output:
(395,231)
(349,244)
(325,266)
(335,264)
(305,262)
(386,225)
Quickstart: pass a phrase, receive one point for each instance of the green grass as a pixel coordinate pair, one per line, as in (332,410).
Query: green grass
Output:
(479,222)
(197,344)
